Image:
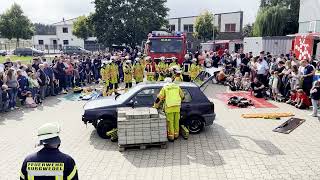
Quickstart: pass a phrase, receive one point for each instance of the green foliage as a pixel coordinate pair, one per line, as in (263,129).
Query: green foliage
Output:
(247,30)
(82,28)
(204,26)
(291,21)
(42,29)
(13,24)
(271,21)
(128,21)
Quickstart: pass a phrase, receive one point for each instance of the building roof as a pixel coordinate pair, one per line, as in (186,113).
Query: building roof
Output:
(65,21)
(183,17)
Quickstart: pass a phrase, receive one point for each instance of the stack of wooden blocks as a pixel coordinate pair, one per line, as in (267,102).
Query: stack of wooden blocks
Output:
(141,126)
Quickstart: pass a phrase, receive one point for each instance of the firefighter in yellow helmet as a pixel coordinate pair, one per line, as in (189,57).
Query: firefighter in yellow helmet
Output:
(161,69)
(114,76)
(178,76)
(49,162)
(174,62)
(138,71)
(105,76)
(150,69)
(127,71)
(194,69)
(172,95)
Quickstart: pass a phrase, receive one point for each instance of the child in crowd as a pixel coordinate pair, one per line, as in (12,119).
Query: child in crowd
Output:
(293,97)
(302,101)
(315,97)
(5,99)
(246,82)
(275,83)
(221,77)
(30,103)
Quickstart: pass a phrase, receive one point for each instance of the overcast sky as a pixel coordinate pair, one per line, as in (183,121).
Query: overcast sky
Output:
(51,11)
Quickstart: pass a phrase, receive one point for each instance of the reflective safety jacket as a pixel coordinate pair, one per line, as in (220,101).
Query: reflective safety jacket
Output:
(105,73)
(172,96)
(49,164)
(162,68)
(127,70)
(173,64)
(194,70)
(138,71)
(114,73)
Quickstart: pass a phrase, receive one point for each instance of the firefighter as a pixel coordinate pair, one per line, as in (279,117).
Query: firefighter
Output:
(186,68)
(138,71)
(172,95)
(178,77)
(150,68)
(161,69)
(114,76)
(174,62)
(127,71)
(194,69)
(105,75)
(49,161)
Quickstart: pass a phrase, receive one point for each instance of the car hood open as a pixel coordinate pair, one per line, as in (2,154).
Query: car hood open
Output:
(100,103)
(206,76)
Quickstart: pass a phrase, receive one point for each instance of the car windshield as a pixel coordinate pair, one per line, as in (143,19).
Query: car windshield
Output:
(166,45)
(123,97)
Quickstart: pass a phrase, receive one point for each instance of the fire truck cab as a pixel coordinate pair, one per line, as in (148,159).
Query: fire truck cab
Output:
(161,43)
(307,46)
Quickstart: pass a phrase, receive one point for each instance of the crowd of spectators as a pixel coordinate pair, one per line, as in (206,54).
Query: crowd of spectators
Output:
(29,84)
(278,77)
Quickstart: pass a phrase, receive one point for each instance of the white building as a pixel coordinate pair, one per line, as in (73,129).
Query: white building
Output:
(229,24)
(309,17)
(63,37)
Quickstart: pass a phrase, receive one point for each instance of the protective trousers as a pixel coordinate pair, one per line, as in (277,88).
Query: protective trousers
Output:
(173,119)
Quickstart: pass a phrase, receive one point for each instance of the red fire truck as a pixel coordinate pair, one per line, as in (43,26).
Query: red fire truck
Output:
(307,46)
(161,43)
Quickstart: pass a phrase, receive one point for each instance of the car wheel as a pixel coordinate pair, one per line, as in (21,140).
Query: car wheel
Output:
(195,124)
(103,127)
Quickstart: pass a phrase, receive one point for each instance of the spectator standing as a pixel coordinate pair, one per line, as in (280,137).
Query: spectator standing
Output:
(50,74)
(61,75)
(13,85)
(1,83)
(42,79)
(4,104)
(215,60)
(315,97)
(307,76)
(262,70)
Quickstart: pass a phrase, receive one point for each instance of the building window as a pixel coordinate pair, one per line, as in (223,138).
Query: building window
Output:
(65,42)
(230,27)
(172,28)
(40,42)
(65,30)
(188,28)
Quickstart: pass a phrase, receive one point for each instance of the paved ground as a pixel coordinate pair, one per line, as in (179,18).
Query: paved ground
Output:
(234,148)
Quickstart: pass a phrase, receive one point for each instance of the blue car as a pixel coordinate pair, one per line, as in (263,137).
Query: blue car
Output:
(197,111)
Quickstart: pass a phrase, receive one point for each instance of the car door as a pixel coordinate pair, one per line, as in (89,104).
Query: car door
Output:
(145,98)
(186,107)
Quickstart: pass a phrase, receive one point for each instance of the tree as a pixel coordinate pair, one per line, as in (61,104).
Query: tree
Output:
(204,26)
(247,30)
(291,21)
(13,24)
(82,27)
(128,21)
(42,29)
(271,21)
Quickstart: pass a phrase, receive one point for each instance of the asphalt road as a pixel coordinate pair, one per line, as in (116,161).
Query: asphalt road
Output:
(233,148)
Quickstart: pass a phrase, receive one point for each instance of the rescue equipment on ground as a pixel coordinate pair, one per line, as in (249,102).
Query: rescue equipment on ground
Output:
(240,102)
(267,115)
